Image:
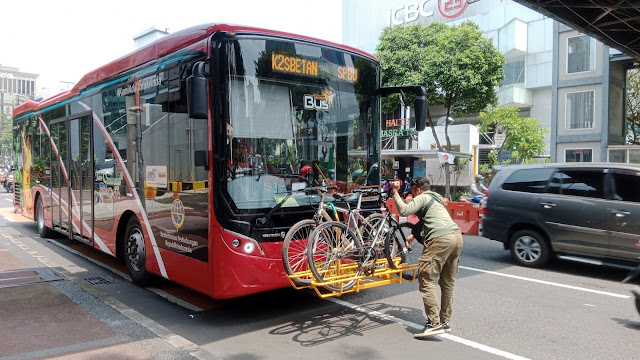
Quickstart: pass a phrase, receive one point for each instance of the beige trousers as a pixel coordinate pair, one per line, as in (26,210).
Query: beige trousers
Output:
(439,258)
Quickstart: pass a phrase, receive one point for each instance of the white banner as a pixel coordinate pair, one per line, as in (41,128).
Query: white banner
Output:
(445,157)
(156,176)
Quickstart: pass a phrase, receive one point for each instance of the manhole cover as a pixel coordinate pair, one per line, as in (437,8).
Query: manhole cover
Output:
(97,280)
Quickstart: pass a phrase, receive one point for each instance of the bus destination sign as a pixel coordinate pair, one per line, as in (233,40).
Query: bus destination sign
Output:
(294,65)
(310,67)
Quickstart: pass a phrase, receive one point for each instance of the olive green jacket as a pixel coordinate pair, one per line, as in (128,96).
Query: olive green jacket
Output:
(435,219)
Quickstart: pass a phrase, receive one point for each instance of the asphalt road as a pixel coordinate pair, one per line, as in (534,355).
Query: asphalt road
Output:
(501,310)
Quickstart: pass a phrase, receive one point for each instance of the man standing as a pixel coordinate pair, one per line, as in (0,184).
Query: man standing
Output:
(442,247)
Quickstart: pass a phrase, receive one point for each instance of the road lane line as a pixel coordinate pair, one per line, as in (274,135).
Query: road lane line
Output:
(9,219)
(547,282)
(383,316)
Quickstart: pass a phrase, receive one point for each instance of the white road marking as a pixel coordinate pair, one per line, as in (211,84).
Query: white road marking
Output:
(409,324)
(9,219)
(9,200)
(547,283)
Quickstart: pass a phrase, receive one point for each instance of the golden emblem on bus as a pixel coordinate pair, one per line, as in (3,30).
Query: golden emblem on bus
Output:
(320,102)
(294,65)
(177,213)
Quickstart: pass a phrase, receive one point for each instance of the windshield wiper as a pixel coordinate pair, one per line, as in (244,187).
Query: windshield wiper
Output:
(263,220)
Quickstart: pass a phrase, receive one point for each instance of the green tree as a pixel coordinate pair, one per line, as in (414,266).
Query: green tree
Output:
(6,138)
(459,67)
(523,136)
(633,107)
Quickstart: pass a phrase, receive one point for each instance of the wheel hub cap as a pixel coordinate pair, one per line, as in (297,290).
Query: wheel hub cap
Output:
(528,249)
(135,249)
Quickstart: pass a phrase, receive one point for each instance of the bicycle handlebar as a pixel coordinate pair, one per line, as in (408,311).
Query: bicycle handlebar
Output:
(318,189)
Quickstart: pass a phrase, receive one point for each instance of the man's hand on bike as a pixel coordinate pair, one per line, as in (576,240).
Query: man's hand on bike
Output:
(395,186)
(409,239)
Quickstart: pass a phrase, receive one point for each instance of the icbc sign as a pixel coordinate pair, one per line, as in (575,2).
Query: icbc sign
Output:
(451,8)
(414,10)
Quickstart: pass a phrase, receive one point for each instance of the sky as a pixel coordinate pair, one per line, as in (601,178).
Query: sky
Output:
(61,40)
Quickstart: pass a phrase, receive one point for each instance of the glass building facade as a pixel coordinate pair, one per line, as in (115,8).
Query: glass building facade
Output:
(573,84)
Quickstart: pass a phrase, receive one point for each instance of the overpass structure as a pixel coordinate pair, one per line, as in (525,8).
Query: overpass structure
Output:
(613,22)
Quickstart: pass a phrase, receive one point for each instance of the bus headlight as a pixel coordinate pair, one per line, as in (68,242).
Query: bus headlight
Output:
(249,247)
(235,243)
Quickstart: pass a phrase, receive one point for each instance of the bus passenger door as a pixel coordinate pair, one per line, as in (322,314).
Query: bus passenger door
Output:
(81,178)
(60,209)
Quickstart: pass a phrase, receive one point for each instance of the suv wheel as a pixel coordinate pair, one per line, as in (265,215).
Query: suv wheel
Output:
(529,248)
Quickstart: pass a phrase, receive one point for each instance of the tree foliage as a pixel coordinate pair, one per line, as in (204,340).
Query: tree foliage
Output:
(633,107)
(459,67)
(524,136)
(6,137)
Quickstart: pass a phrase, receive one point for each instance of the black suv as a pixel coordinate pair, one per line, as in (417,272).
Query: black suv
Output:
(579,211)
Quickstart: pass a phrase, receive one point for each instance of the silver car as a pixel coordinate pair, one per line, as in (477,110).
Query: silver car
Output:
(586,212)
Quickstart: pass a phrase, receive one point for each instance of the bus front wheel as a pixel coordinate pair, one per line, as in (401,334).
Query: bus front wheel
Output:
(135,254)
(43,230)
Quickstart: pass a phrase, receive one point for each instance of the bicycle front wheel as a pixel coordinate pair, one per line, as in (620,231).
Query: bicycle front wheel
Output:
(332,248)
(294,250)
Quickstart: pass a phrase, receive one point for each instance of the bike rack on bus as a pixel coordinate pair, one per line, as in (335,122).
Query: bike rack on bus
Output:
(382,275)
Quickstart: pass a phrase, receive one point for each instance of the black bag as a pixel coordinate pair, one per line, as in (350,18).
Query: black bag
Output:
(416,229)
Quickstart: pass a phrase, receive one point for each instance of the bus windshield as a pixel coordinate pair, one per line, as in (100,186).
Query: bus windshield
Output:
(300,115)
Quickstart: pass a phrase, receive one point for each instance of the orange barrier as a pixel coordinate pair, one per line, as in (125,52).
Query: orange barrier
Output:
(465,215)
(394,211)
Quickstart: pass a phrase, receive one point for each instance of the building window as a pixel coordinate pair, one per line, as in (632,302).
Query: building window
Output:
(513,72)
(580,110)
(618,156)
(578,155)
(581,54)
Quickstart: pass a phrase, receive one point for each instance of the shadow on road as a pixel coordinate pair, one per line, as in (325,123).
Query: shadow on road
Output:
(323,328)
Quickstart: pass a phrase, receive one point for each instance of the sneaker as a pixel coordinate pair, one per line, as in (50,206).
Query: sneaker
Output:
(429,330)
(447,327)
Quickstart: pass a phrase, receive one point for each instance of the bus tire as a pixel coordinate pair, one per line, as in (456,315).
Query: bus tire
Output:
(43,230)
(135,252)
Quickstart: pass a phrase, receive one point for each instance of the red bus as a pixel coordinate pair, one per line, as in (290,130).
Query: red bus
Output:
(177,158)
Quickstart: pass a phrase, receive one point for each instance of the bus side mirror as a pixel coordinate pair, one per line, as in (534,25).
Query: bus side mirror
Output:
(420,108)
(200,159)
(197,99)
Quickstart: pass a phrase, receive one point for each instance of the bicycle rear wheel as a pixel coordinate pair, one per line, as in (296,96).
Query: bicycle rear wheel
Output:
(294,250)
(332,246)
(394,248)
(369,229)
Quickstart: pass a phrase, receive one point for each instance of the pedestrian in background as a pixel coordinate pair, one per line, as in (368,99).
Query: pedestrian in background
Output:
(387,185)
(406,189)
(442,246)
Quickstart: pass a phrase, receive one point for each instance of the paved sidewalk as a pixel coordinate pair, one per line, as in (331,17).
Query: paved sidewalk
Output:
(43,315)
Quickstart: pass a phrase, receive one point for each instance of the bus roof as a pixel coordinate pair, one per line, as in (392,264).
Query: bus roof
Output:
(164,46)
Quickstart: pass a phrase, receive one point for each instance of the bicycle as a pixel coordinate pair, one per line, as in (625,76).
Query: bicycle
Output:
(335,248)
(294,246)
